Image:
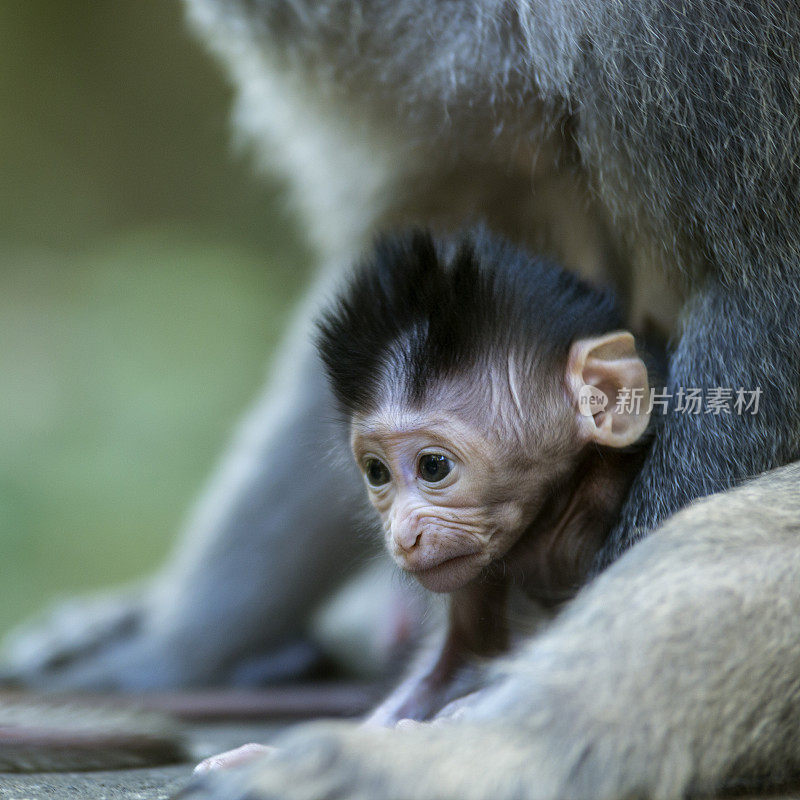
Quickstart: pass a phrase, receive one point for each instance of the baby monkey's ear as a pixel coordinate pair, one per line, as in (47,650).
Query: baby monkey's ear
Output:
(608,384)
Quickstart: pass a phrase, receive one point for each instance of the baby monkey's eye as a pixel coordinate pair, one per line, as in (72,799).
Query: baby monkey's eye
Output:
(377,472)
(434,467)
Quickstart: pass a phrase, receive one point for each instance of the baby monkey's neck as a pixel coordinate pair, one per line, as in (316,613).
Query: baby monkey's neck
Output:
(554,557)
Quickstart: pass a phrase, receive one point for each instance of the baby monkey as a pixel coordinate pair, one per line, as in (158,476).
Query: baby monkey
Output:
(481,388)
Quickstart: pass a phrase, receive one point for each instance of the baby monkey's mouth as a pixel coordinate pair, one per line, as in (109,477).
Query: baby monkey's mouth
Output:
(449,573)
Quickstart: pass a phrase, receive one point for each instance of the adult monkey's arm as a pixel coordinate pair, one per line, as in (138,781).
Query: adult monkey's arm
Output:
(727,344)
(690,127)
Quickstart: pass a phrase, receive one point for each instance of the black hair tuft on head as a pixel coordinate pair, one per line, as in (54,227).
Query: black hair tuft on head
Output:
(419,310)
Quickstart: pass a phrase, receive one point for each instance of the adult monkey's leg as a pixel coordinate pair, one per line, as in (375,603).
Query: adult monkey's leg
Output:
(257,556)
(675,672)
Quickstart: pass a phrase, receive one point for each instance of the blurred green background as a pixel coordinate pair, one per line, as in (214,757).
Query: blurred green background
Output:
(145,276)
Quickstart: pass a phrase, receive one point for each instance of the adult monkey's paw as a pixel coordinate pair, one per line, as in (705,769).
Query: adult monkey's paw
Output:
(312,762)
(346,762)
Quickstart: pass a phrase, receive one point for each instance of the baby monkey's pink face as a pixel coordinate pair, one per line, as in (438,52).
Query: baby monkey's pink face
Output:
(450,501)
(458,482)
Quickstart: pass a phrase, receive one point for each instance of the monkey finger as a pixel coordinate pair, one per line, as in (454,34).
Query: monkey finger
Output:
(234,758)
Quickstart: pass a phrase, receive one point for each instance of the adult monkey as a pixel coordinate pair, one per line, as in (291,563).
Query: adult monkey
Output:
(683,123)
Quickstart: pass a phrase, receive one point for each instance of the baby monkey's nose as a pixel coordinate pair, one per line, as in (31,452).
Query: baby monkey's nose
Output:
(407,537)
